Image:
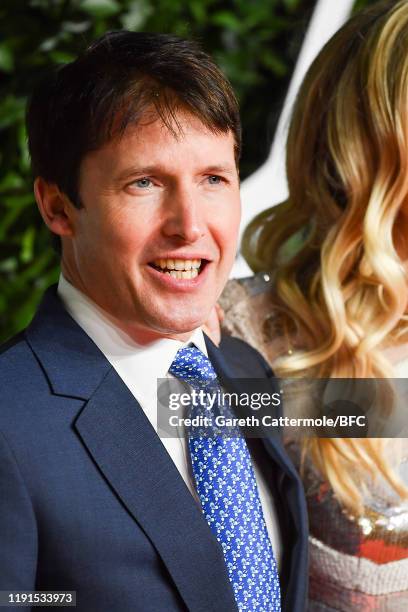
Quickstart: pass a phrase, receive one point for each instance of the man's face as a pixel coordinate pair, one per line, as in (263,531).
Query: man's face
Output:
(155,241)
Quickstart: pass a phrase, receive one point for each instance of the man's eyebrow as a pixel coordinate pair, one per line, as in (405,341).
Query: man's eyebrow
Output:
(221,168)
(148,170)
(137,170)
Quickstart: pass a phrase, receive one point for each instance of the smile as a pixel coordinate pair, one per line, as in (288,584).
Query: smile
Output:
(179,268)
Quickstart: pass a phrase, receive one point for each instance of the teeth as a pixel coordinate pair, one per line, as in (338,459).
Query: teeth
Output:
(183,265)
(190,273)
(183,273)
(178,264)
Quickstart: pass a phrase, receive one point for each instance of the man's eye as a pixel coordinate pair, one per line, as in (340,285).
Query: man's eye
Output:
(143,183)
(214,179)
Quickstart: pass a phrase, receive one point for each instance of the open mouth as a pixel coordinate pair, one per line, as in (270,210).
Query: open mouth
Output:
(180,268)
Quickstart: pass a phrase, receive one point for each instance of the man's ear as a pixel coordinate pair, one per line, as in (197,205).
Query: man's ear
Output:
(54,206)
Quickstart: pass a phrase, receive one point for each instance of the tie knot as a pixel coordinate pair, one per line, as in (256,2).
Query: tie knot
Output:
(192,366)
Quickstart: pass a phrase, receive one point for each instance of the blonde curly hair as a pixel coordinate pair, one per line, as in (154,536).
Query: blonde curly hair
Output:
(345,289)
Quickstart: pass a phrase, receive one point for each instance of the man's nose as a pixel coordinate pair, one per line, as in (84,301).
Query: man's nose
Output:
(183,217)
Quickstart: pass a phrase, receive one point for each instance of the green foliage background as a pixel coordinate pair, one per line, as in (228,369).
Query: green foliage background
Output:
(254,41)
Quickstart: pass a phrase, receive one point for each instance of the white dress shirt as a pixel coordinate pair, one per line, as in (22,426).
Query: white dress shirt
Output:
(139,367)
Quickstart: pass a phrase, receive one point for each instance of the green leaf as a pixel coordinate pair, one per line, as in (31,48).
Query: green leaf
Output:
(11,180)
(6,58)
(37,267)
(198,10)
(11,110)
(48,44)
(61,57)
(8,265)
(45,4)
(17,202)
(227,20)
(24,313)
(100,8)
(274,63)
(8,219)
(49,278)
(75,27)
(138,13)
(23,146)
(27,245)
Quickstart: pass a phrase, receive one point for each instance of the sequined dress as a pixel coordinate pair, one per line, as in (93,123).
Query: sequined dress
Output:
(356,564)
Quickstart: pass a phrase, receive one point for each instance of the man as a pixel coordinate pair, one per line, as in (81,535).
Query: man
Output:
(135,147)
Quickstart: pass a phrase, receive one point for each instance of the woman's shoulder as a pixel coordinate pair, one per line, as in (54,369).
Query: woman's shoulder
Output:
(251,313)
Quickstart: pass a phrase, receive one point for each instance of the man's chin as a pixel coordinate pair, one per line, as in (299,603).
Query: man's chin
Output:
(182,325)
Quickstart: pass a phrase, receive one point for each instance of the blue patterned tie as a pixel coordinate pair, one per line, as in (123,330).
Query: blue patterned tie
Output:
(226,485)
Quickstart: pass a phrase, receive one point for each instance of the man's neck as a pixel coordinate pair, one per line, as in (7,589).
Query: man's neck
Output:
(138,334)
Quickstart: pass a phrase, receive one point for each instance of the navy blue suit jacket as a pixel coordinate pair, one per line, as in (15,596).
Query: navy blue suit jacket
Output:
(90,500)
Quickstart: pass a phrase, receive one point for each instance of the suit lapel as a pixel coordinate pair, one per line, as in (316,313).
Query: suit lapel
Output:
(287,482)
(130,455)
(132,458)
